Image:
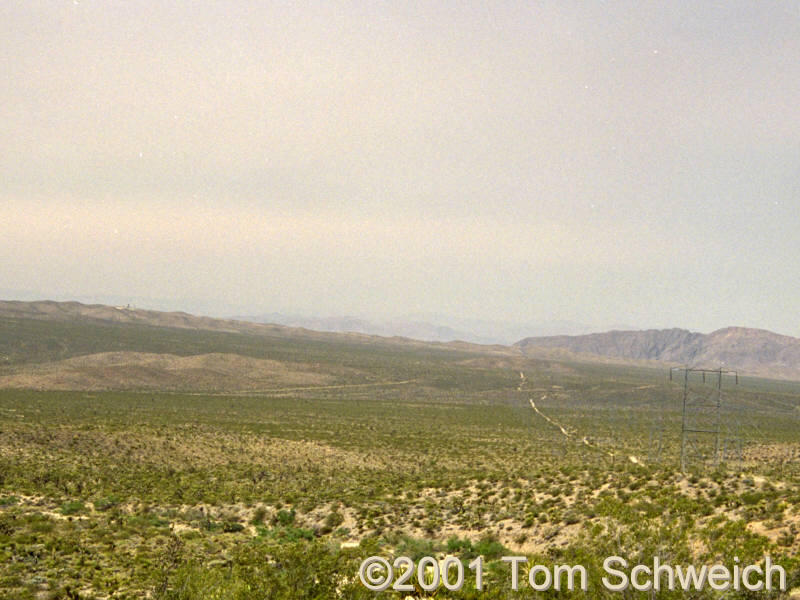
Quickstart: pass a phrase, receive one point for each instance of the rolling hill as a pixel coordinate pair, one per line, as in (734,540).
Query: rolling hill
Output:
(125,348)
(73,346)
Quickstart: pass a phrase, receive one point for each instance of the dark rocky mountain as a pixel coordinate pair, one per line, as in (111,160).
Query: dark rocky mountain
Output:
(751,351)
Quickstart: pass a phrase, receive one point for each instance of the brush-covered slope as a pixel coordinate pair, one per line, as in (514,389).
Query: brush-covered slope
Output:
(51,345)
(147,371)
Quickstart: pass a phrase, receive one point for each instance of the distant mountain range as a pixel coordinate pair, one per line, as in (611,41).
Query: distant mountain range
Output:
(429,328)
(418,330)
(48,310)
(751,351)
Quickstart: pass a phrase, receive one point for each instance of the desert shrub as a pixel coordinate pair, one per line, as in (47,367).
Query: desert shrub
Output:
(284,517)
(332,521)
(751,498)
(103,504)
(8,523)
(72,507)
(258,516)
(415,548)
(490,548)
(456,545)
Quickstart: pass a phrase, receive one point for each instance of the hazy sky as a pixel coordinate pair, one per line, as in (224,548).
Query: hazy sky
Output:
(603,163)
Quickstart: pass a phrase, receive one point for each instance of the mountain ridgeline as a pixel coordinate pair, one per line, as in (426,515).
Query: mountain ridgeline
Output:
(135,345)
(752,351)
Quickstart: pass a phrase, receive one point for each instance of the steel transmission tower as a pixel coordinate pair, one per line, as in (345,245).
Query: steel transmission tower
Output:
(705,438)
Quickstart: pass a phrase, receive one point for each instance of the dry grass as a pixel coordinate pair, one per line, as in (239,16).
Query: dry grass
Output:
(149,371)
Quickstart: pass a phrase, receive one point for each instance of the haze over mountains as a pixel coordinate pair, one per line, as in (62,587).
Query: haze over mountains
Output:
(429,328)
(750,351)
(419,330)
